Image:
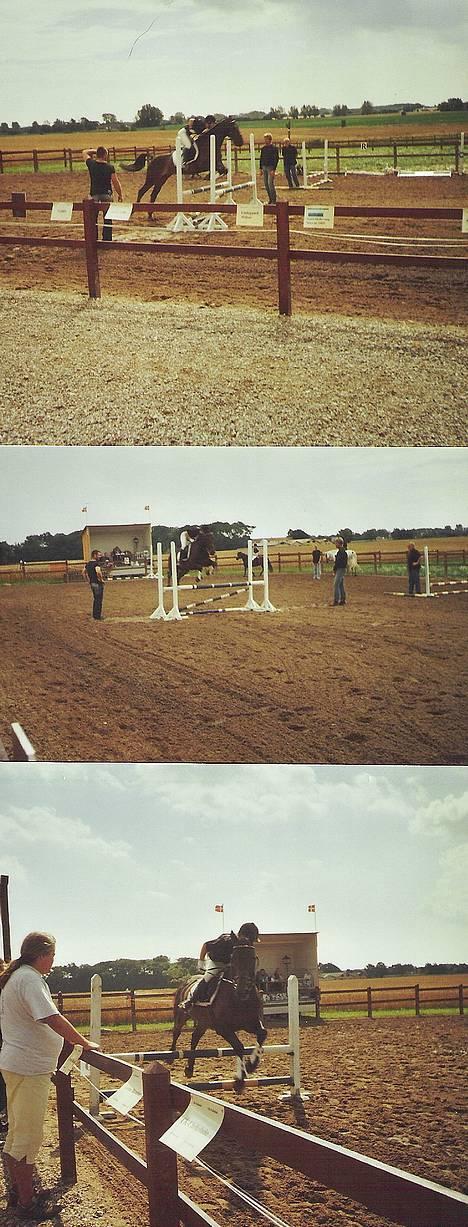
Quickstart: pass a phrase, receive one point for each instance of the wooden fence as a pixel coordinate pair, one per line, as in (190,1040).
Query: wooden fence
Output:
(136,1007)
(397,1195)
(342,154)
(69,570)
(280,252)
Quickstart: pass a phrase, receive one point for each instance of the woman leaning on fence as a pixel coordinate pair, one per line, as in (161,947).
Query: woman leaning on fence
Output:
(33,1033)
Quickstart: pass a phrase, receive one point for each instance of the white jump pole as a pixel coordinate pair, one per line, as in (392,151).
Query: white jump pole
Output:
(427,576)
(325,157)
(267,606)
(160,612)
(229,195)
(174,614)
(296,1091)
(250,602)
(462,151)
(181,221)
(304,166)
(95,1012)
(253,167)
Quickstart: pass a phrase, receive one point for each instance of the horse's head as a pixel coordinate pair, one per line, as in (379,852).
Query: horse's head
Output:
(243,967)
(228,127)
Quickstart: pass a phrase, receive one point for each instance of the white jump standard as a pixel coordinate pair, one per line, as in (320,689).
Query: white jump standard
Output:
(175,614)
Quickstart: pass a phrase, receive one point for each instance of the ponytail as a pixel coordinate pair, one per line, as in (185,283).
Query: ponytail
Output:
(32,947)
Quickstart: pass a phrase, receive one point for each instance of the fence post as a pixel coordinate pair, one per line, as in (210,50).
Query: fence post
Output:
(60,1002)
(461,1008)
(64,1093)
(70,160)
(369,1001)
(95,1020)
(90,215)
(416,1001)
(133,1014)
(284,263)
(18,204)
(163,1191)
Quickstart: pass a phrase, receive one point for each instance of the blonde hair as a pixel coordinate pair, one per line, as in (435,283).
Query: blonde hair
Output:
(33,945)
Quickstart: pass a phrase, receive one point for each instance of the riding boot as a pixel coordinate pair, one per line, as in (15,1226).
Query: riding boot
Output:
(10,1179)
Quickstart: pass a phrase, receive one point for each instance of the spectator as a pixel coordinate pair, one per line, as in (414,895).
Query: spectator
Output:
(290,163)
(93,571)
(33,1035)
(102,180)
(413,563)
(339,568)
(316,561)
(268,162)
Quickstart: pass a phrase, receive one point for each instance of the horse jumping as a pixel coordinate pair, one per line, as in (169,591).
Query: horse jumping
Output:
(235,1006)
(162,167)
(202,554)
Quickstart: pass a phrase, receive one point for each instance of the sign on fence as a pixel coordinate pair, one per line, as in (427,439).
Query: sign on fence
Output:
(61,211)
(250,214)
(198,1126)
(319,217)
(119,211)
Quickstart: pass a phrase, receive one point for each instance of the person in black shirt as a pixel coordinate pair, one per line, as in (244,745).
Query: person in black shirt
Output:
(93,572)
(413,562)
(289,163)
(317,562)
(268,162)
(102,180)
(339,568)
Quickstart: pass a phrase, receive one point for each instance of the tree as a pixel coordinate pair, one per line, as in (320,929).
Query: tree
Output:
(298,534)
(367,108)
(148,116)
(347,535)
(110,119)
(340,108)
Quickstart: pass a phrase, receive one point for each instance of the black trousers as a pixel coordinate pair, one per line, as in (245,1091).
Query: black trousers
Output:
(98,593)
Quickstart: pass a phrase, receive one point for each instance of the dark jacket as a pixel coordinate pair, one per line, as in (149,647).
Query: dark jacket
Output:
(269,156)
(341,560)
(289,155)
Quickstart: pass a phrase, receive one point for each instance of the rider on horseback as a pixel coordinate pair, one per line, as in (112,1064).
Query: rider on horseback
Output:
(215,959)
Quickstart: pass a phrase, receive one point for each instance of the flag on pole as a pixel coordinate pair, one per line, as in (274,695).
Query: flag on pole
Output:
(84,508)
(147,506)
(311,907)
(219,907)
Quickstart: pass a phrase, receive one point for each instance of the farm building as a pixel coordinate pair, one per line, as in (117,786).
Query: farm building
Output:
(283,954)
(128,547)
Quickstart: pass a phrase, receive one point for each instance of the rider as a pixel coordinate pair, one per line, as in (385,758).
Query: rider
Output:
(214,961)
(186,135)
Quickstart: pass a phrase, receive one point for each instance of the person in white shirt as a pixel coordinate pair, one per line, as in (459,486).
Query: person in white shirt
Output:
(33,1033)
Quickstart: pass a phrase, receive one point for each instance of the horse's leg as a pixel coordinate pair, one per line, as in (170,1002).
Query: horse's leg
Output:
(179,1021)
(236,1044)
(253,1059)
(198,1030)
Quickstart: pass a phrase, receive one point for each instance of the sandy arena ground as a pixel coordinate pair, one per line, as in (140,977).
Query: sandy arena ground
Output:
(382,680)
(372,355)
(391,1089)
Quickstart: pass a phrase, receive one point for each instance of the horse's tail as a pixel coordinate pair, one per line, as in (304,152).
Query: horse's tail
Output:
(138,164)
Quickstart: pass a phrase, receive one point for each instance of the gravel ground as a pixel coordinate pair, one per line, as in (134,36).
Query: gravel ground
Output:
(125,372)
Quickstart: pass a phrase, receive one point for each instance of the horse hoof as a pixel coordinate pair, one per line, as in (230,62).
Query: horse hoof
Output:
(239,1084)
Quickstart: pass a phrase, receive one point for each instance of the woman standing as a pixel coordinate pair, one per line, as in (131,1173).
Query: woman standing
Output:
(33,1033)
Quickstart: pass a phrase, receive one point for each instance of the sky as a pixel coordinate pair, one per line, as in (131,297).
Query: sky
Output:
(129,861)
(43,489)
(64,58)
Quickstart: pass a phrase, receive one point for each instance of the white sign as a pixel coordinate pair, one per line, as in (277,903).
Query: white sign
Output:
(250,214)
(119,211)
(363,144)
(464,221)
(72,1060)
(198,1126)
(127,1095)
(62,211)
(319,217)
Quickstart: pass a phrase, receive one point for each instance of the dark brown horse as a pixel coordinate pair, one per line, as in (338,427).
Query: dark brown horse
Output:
(236,1006)
(161,168)
(257,561)
(202,553)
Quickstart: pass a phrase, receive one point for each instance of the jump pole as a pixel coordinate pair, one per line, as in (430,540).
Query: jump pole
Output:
(291,1049)
(180,221)
(308,187)
(211,221)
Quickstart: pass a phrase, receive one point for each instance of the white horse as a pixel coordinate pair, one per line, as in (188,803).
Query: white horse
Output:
(353,566)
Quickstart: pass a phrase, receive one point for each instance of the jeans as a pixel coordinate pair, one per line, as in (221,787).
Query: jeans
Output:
(414,581)
(98,593)
(317,569)
(269,181)
(106,226)
(339,595)
(290,171)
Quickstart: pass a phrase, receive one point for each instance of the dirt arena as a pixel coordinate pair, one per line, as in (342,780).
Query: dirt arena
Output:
(412,294)
(391,1089)
(382,680)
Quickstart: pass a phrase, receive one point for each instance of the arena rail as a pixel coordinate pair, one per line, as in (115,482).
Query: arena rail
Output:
(281,252)
(397,1195)
(21,749)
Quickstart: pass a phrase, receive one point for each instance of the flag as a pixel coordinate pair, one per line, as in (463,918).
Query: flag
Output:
(219,907)
(84,508)
(147,506)
(311,907)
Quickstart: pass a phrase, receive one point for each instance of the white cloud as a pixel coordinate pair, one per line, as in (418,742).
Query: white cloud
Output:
(41,825)
(441,815)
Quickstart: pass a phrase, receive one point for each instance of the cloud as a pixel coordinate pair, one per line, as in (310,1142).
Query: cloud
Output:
(451,896)
(441,815)
(42,825)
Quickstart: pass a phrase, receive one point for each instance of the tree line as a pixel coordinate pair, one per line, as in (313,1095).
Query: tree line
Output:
(150,116)
(160,972)
(58,547)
